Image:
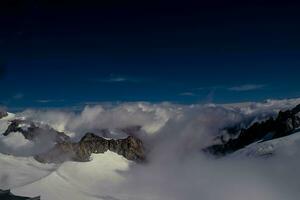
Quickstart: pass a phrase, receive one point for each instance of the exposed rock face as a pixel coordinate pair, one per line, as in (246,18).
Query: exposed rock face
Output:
(131,148)
(31,131)
(286,123)
(7,195)
(64,149)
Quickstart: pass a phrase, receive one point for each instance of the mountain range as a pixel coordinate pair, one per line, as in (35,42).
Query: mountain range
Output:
(38,158)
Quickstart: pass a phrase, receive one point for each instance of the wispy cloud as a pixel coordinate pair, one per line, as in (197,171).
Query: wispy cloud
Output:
(49,100)
(246,87)
(116,79)
(187,94)
(211,90)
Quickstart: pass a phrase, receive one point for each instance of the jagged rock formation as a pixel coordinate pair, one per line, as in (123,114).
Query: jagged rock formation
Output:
(131,148)
(7,195)
(31,131)
(64,149)
(286,123)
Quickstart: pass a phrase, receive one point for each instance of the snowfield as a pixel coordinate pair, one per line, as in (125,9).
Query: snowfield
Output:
(20,171)
(284,145)
(76,181)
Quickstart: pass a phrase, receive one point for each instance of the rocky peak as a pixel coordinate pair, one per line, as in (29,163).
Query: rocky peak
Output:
(131,148)
(296,110)
(89,137)
(64,149)
(286,123)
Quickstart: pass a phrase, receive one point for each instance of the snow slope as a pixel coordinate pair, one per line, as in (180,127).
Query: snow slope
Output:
(19,171)
(73,180)
(268,148)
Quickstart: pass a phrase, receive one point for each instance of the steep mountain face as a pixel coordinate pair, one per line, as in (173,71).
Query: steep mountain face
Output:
(286,123)
(131,148)
(64,149)
(7,195)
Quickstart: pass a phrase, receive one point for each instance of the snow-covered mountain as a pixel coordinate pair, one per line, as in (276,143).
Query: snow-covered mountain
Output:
(286,123)
(269,148)
(97,154)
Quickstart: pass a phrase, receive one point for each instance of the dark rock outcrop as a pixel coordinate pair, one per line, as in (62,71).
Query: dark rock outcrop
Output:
(7,195)
(286,123)
(33,131)
(131,148)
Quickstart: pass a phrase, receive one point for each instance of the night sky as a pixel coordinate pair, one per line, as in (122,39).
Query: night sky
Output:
(70,54)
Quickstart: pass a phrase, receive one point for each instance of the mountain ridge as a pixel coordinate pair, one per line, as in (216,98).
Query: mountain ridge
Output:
(64,149)
(286,123)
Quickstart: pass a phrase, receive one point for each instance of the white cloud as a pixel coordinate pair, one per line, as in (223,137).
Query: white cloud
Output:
(247,87)
(176,168)
(16,140)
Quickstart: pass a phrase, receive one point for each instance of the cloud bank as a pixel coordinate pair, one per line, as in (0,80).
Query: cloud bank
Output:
(174,136)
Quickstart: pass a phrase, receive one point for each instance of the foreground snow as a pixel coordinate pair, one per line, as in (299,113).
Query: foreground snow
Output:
(77,181)
(269,148)
(19,171)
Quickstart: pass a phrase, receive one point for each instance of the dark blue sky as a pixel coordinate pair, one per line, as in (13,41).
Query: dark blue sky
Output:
(67,54)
